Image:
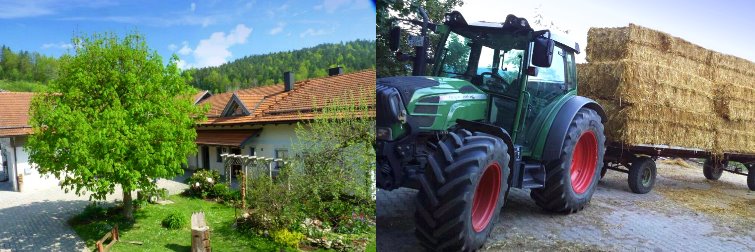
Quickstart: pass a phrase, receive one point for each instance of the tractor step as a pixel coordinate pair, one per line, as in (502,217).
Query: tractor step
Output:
(529,176)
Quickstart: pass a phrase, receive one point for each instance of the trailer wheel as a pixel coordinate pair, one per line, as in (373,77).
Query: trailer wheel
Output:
(713,171)
(461,192)
(570,182)
(751,177)
(642,174)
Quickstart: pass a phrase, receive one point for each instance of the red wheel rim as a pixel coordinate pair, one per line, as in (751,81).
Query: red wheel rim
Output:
(486,197)
(583,162)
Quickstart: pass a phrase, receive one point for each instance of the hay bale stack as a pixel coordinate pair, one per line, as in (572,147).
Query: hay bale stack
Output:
(663,90)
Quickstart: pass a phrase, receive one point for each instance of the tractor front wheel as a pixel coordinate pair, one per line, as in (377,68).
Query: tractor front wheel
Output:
(570,182)
(712,168)
(462,191)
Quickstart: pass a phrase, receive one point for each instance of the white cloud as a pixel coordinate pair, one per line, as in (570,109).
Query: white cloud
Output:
(185,49)
(193,7)
(59,45)
(172,47)
(277,29)
(272,12)
(26,9)
(213,51)
(313,32)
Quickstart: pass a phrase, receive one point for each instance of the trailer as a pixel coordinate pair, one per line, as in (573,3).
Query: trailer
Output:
(638,162)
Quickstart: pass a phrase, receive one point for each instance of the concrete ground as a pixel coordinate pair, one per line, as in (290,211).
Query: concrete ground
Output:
(684,212)
(36,220)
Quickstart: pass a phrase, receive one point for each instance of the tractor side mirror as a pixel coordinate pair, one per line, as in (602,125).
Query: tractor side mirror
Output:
(542,52)
(395,38)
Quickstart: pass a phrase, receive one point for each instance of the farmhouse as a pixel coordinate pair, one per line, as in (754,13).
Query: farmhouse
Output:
(14,130)
(261,121)
(257,121)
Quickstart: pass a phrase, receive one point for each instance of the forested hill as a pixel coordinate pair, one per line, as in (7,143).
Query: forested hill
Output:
(267,69)
(24,70)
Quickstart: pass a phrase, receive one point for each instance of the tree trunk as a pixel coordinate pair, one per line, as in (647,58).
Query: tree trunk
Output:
(128,206)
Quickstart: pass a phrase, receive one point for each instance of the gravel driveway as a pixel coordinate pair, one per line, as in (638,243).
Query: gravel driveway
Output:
(684,212)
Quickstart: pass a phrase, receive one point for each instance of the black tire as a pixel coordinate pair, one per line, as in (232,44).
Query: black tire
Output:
(559,195)
(642,174)
(444,204)
(713,171)
(751,177)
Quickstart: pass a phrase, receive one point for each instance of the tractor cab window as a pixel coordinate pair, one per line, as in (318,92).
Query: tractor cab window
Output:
(542,91)
(491,69)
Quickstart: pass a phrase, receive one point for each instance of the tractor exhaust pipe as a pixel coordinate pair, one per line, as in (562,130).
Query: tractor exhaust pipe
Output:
(420,52)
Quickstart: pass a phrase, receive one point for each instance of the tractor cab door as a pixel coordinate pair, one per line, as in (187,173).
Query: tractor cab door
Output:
(542,93)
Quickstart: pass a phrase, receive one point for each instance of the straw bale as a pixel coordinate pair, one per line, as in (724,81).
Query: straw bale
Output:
(733,63)
(641,124)
(610,44)
(735,136)
(635,82)
(663,90)
(735,95)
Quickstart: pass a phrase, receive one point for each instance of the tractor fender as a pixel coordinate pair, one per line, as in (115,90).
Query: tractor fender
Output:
(491,130)
(560,125)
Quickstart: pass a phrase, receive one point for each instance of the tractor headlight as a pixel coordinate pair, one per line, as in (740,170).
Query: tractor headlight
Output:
(397,111)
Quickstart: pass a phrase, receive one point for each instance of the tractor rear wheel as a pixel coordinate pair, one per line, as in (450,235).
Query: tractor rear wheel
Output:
(712,168)
(570,182)
(461,191)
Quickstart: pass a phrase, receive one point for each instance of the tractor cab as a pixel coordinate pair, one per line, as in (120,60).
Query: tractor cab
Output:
(513,64)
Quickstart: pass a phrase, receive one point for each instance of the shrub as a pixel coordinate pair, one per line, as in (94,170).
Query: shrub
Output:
(93,212)
(202,182)
(287,238)
(175,221)
(221,191)
(273,204)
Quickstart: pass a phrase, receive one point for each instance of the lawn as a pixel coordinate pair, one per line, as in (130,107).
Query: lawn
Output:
(148,229)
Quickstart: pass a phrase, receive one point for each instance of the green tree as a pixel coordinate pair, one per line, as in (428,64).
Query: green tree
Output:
(387,11)
(114,116)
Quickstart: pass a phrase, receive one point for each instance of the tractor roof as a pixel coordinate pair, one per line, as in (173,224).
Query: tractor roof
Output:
(513,25)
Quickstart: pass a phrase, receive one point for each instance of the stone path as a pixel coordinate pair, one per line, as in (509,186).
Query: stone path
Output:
(684,212)
(36,221)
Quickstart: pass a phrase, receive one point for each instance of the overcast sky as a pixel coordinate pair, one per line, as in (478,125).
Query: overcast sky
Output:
(724,26)
(201,33)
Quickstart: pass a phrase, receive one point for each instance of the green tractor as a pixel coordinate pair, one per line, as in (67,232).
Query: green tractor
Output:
(499,109)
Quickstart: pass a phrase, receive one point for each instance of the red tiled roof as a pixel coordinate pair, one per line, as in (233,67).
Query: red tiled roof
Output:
(224,137)
(201,94)
(272,104)
(217,103)
(14,113)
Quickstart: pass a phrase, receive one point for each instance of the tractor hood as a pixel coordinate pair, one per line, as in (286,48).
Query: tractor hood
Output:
(413,88)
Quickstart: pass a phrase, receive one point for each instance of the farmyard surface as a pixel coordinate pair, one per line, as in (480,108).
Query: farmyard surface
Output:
(683,212)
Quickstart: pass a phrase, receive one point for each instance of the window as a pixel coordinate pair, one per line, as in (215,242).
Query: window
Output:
(218,151)
(555,73)
(251,151)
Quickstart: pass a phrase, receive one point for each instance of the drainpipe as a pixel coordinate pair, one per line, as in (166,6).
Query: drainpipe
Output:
(16,183)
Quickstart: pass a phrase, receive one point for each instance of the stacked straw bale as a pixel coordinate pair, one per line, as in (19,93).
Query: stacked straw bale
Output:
(663,90)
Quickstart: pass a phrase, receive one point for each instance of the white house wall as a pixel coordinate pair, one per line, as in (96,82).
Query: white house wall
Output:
(19,158)
(271,138)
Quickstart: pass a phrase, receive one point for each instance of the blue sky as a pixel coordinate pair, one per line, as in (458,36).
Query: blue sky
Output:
(723,26)
(201,33)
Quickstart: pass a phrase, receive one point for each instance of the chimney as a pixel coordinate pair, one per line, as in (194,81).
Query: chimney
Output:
(288,79)
(335,71)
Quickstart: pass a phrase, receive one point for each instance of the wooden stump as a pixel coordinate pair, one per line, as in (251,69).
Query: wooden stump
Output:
(200,233)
